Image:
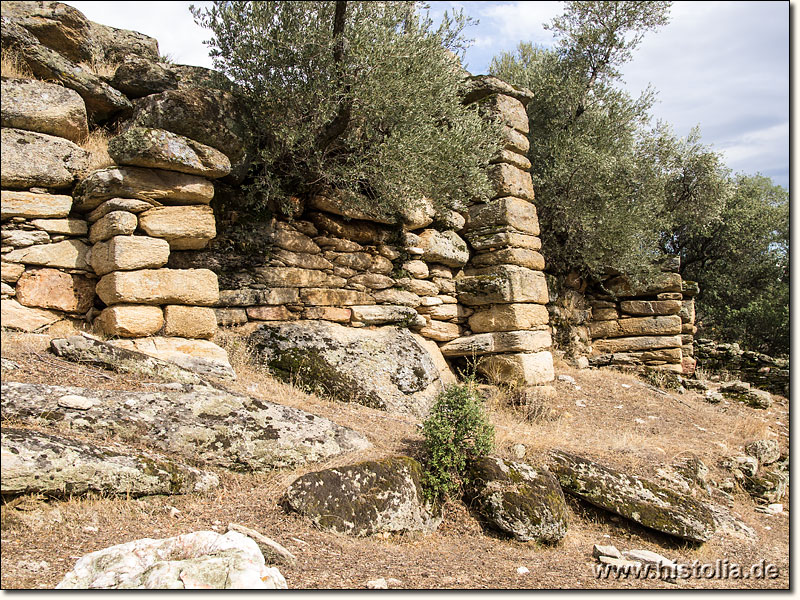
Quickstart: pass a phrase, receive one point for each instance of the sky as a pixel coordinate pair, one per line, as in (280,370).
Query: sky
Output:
(723,66)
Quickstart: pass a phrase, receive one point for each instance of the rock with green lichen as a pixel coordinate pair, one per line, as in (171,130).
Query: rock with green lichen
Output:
(632,497)
(38,463)
(383,496)
(521,501)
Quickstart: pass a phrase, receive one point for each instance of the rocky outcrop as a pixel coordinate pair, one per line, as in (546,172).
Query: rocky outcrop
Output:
(38,463)
(742,391)
(760,370)
(382,496)
(198,560)
(518,500)
(633,497)
(235,432)
(386,368)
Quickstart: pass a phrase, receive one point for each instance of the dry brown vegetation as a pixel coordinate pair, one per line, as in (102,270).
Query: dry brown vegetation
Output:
(41,538)
(13,66)
(96,144)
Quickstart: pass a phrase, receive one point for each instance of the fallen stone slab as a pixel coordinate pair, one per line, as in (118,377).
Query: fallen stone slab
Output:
(610,551)
(200,356)
(366,498)
(38,463)
(197,560)
(235,432)
(502,341)
(271,549)
(518,500)
(633,497)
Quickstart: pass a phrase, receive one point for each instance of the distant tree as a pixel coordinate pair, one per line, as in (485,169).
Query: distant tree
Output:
(360,96)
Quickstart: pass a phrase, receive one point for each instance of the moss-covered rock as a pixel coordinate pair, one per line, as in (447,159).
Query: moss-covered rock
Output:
(365,498)
(632,497)
(516,499)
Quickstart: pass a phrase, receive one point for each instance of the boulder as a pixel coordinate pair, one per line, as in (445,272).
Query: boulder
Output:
(386,367)
(39,463)
(128,253)
(117,222)
(54,24)
(508,317)
(159,286)
(102,101)
(15,316)
(198,422)
(636,326)
(69,254)
(508,180)
(498,342)
(477,87)
(383,496)
(502,284)
(633,497)
(32,206)
(189,321)
(112,45)
(767,486)
(32,159)
(521,501)
(160,149)
(197,560)
(212,117)
(130,320)
(43,107)
(138,76)
(199,356)
(743,392)
(184,227)
(534,368)
(444,247)
(167,187)
(51,288)
(766,451)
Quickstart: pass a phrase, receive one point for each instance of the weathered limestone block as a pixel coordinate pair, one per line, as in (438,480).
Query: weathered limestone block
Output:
(520,501)
(502,284)
(441,331)
(636,326)
(505,239)
(499,342)
(332,297)
(669,355)
(365,498)
(160,149)
(521,257)
(271,313)
(138,77)
(449,219)
(227,317)
(480,86)
(50,288)
(362,232)
(69,254)
(130,320)
(396,296)
(633,497)
(383,314)
(508,317)
(421,287)
(199,356)
(446,312)
(143,184)
(605,314)
(43,107)
(663,282)
(130,205)
(76,227)
(328,313)
(117,222)
(513,158)
(21,238)
(250,297)
(509,212)
(6,291)
(16,316)
(11,272)
(56,25)
(373,281)
(337,245)
(507,180)
(39,463)
(525,369)
(301,260)
(295,277)
(690,289)
(160,286)
(184,227)
(445,247)
(32,159)
(350,206)
(128,253)
(650,307)
(514,141)
(197,560)
(505,110)
(687,311)
(360,261)
(636,344)
(384,367)
(688,329)
(416,268)
(32,206)
(189,321)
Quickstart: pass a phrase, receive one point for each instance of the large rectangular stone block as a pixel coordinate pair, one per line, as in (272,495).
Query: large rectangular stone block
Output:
(69,254)
(184,227)
(330,297)
(160,286)
(508,180)
(498,342)
(51,288)
(501,238)
(128,252)
(650,307)
(635,344)
(514,213)
(501,285)
(524,369)
(506,110)
(509,317)
(33,206)
(522,257)
(130,320)
(663,282)
(189,321)
(666,325)
(250,297)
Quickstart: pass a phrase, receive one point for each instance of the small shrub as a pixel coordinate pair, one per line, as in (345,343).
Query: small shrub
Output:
(664,380)
(456,433)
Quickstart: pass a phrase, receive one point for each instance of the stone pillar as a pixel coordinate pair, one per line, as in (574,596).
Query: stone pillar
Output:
(689,290)
(503,282)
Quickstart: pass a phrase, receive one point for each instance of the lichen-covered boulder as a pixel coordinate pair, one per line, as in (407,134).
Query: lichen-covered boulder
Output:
(633,497)
(197,560)
(365,498)
(44,107)
(31,159)
(38,463)
(138,77)
(518,500)
(197,421)
(742,391)
(385,368)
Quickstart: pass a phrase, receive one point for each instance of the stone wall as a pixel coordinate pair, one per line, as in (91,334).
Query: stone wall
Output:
(764,372)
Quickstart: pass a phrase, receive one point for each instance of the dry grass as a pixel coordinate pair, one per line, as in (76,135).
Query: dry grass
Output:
(96,144)
(101,69)
(12,65)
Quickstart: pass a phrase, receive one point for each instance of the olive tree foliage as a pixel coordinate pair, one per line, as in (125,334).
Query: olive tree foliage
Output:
(598,192)
(358,96)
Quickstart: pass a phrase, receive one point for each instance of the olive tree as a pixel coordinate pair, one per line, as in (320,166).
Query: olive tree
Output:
(358,96)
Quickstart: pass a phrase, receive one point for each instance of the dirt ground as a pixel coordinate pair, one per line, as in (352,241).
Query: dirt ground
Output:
(608,416)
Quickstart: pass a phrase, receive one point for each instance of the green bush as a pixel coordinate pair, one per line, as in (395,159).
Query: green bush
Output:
(456,433)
